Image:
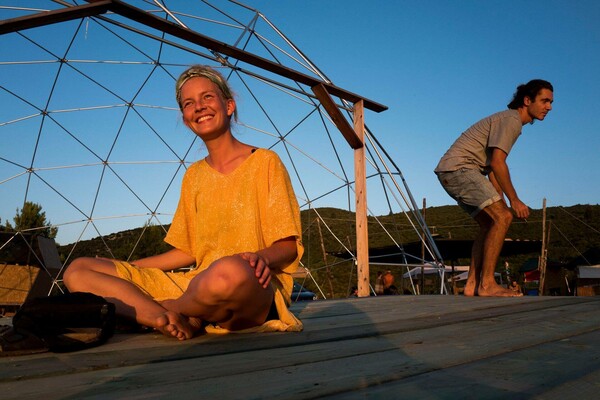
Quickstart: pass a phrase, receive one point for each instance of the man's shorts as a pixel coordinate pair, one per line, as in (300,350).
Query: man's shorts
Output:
(472,190)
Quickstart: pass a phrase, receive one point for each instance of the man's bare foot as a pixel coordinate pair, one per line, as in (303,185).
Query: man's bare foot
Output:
(497,291)
(178,326)
(471,287)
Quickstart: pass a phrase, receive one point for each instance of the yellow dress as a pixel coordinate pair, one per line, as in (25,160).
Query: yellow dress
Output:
(220,215)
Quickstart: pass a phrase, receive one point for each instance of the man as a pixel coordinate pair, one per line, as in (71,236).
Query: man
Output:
(388,283)
(482,151)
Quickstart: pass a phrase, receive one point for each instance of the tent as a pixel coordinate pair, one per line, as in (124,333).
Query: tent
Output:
(588,280)
(588,271)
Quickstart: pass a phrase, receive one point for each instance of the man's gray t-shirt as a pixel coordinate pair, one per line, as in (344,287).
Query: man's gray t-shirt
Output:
(473,149)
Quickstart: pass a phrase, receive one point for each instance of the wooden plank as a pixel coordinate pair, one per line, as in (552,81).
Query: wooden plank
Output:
(328,321)
(342,321)
(330,368)
(565,369)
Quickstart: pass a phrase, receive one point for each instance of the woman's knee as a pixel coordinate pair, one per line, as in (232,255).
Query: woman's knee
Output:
(74,268)
(224,278)
(79,267)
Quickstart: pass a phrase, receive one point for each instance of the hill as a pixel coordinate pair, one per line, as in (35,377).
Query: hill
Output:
(572,231)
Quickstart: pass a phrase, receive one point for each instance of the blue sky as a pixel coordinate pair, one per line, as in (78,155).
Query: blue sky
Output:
(438,65)
(442,65)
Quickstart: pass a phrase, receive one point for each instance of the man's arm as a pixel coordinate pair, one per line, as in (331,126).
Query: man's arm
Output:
(495,183)
(501,177)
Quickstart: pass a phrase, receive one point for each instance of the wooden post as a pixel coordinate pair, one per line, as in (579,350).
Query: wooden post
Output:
(331,293)
(360,179)
(423,249)
(543,255)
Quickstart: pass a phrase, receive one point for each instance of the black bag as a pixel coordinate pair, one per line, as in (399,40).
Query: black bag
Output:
(67,322)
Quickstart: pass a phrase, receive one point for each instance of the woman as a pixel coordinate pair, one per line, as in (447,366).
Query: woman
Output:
(237,220)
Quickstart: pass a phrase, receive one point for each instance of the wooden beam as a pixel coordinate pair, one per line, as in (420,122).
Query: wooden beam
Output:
(97,7)
(54,16)
(176,30)
(336,115)
(360,193)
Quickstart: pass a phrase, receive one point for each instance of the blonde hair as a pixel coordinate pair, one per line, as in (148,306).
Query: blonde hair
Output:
(204,71)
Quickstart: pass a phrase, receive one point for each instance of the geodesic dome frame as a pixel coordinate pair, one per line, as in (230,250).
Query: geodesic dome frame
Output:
(92,130)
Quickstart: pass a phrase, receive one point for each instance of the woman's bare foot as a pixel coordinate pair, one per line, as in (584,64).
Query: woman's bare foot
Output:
(178,326)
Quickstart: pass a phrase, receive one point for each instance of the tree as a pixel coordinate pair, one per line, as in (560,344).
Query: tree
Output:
(151,242)
(31,216)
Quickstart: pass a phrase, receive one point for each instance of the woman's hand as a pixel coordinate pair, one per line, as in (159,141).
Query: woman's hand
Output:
(261,267)
(271,258)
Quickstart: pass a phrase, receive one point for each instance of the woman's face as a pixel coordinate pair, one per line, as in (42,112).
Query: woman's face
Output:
(204,109)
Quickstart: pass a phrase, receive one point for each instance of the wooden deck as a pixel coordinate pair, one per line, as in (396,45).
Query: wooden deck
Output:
(426,347)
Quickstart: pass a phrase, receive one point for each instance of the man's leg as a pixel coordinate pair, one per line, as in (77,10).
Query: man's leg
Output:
(474,277)
(227,293)
(99,276)
(494,220)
